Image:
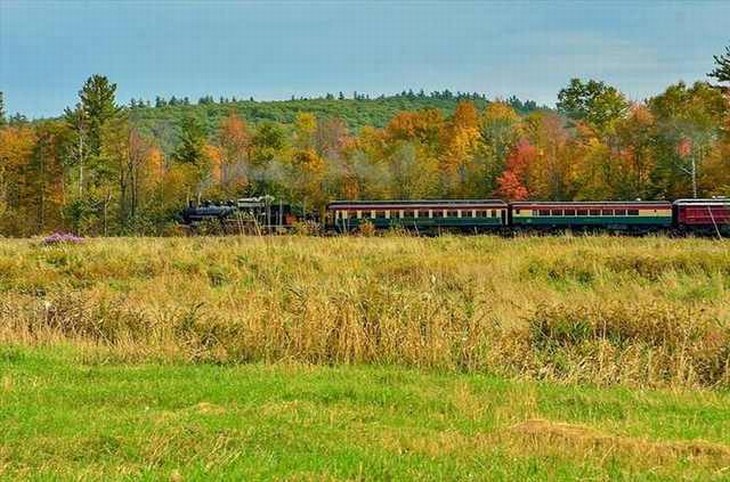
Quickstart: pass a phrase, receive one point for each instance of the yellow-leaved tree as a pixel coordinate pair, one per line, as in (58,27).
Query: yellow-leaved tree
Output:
(461,140)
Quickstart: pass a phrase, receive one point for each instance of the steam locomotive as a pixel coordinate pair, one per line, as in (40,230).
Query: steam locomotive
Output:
(265,215)
(243,216)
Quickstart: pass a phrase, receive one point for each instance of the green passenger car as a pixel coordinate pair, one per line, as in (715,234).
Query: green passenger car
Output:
(613,215)
(419,215)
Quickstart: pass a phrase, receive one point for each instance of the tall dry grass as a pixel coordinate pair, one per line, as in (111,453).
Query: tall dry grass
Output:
(651,311)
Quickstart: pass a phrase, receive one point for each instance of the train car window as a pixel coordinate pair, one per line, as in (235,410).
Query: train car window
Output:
(544,212)
(517,211)
(451,214)
(570,212)
(406,214)
(620,212)
(494,213)
(595,212)
(556,212)
(437,213)
(607,212)
(633,212)
(582,212)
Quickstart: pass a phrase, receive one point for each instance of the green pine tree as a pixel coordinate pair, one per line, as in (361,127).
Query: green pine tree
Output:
(191,142)
(722,70)
(99,105)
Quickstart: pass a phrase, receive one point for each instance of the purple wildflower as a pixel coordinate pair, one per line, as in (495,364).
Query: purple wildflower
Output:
(62,238)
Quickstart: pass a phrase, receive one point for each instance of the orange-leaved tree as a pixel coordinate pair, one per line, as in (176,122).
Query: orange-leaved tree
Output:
(512,183)
(234,141)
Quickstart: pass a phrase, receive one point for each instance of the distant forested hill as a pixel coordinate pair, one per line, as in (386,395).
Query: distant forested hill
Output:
(163,118)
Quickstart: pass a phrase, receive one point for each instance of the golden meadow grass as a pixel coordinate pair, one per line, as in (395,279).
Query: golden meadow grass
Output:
(637,311)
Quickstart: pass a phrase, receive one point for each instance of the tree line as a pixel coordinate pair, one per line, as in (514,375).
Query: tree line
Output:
(99,170)
(446,94)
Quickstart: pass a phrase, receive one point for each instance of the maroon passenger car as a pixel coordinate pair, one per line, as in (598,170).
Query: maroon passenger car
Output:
(696,215)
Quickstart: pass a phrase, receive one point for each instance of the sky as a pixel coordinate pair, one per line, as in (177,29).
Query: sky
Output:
(273,50)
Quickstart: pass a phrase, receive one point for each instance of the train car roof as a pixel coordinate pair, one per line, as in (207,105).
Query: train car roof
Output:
(418,202)
(590,203)
(703,202)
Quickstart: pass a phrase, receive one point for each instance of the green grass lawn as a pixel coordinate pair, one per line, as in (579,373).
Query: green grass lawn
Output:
(67,413)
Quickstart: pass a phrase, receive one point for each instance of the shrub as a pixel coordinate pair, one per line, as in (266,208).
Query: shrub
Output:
(366,228)
(62,238)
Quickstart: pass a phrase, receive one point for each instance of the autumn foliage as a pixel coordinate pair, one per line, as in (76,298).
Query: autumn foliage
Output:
(100,171)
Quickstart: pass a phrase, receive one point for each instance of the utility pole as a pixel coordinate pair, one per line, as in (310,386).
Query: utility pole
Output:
(692,172)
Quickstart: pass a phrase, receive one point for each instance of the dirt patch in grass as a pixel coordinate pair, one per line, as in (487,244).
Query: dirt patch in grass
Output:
(548,437)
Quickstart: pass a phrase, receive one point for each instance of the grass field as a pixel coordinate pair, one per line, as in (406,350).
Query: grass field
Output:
(365,358)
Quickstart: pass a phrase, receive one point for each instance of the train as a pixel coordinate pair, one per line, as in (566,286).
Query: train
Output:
(433,216)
